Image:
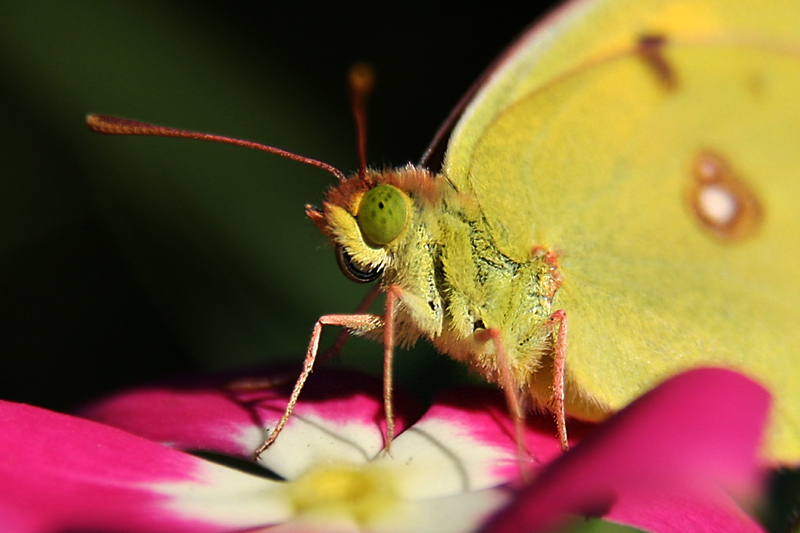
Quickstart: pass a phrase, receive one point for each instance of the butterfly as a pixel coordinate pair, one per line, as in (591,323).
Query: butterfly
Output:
(613,202)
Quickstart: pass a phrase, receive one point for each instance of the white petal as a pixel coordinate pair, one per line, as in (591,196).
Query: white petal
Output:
(226,496)
(454,514)
(309,440)
(437,458)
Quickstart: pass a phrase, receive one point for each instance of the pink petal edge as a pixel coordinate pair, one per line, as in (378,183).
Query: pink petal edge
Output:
(667,462)
(481,415)
(228,418)
(62,473)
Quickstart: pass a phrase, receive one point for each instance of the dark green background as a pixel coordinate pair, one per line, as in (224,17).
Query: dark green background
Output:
(124,259)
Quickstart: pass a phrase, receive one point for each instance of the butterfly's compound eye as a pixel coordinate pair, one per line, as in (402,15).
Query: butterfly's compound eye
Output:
(353,271)
(382,214)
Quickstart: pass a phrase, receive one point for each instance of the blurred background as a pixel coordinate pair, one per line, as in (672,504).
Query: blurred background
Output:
(126,259)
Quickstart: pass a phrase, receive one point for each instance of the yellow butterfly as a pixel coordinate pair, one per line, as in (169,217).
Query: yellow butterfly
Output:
(618,200)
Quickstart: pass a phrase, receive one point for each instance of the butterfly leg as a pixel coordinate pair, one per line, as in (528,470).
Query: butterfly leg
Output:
(342,338)
(361,323)
(255,384)
(559,321)
(510,388)
(393,295)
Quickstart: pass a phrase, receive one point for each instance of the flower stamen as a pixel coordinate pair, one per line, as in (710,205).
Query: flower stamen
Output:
(361,492)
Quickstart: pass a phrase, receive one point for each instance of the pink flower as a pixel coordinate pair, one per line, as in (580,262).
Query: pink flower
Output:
(670,462)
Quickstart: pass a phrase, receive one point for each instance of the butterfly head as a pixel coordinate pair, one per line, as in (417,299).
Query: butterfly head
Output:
(368,218)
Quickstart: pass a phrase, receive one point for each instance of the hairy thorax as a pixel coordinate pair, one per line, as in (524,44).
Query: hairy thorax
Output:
(453,284)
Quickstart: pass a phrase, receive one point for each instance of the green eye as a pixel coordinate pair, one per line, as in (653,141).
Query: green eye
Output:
(382,214)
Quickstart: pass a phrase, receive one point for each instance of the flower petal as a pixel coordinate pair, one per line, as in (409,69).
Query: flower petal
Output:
(453,514)
(467,448)
(311,437)
(468,438)
(61,473)
(186,418)
(665,463)
(339,417)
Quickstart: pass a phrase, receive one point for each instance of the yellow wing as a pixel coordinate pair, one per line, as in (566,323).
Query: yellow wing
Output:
(654,146)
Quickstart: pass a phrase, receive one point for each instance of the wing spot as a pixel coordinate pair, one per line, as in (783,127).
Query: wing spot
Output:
(651,50)
(720,200)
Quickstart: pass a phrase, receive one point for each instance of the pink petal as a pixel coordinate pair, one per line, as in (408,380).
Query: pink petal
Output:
(191,419)
(469,439)
(232,418)
(666,463)
(61,473)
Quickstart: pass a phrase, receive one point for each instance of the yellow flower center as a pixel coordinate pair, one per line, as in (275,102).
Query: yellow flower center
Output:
(360,492)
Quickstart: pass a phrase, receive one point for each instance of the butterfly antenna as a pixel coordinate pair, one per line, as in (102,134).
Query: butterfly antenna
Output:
(361,80)
(120,126)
